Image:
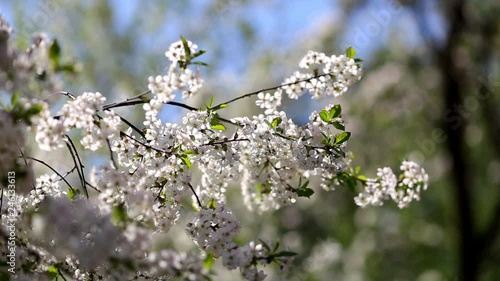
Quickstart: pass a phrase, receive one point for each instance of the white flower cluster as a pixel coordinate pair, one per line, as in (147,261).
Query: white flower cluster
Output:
(411,183)
(46,185)
(177,78)
(213,230)
(269,101)
(330,76)
(177,53)
(133,192)
(343,71)
(80,114)
(273,159)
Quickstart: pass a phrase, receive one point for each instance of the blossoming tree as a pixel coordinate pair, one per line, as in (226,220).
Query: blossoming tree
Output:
(101,227)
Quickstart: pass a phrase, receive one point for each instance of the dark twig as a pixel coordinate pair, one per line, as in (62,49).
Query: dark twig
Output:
(50,167)
(144,144)
(272,88)
(76,158)
(195,195)
(132,126)
(224,142)
(111,155)
(129,101)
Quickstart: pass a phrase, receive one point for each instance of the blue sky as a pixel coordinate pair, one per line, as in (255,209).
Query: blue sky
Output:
(279,22)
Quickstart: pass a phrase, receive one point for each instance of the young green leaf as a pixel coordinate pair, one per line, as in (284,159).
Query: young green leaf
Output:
(305,192)
(199,63)
(69,67)
(342,137)
(216,124)
(304,186)
(219,127)
(324,115)
(210,102)
(335,111)
(276,246)
(186,161)
(55,53)
(276,122)
(187,50)
(350,52)
(265,245)
(199,53)
(52,272)
(220,106)
(72,193)
(14,99)
(209,261)
(338,126)
(34,110)
(362,178)
(357,170)
(119,214)
(351,184)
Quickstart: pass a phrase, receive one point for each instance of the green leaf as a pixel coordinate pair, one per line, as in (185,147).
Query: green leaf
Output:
(265,245)
(276,246)
(34,110)
(212,204)
(341,152)
(351,184)
(358,60)
(119,214)
(72,193)
(342,137)
(335,111)
(210,102)
(199,63)
(14,99)
(189,152)
(186,161)
(216,124)
(305,192)
(67,67)
(338,126)
(362,178)
(326,139)
(220,106)
(209,261)
(199,53)
(187,50)
(350,52)
(276,122)
(324,115)
(219,127)
(304,186)
(55,52)
(52,272)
